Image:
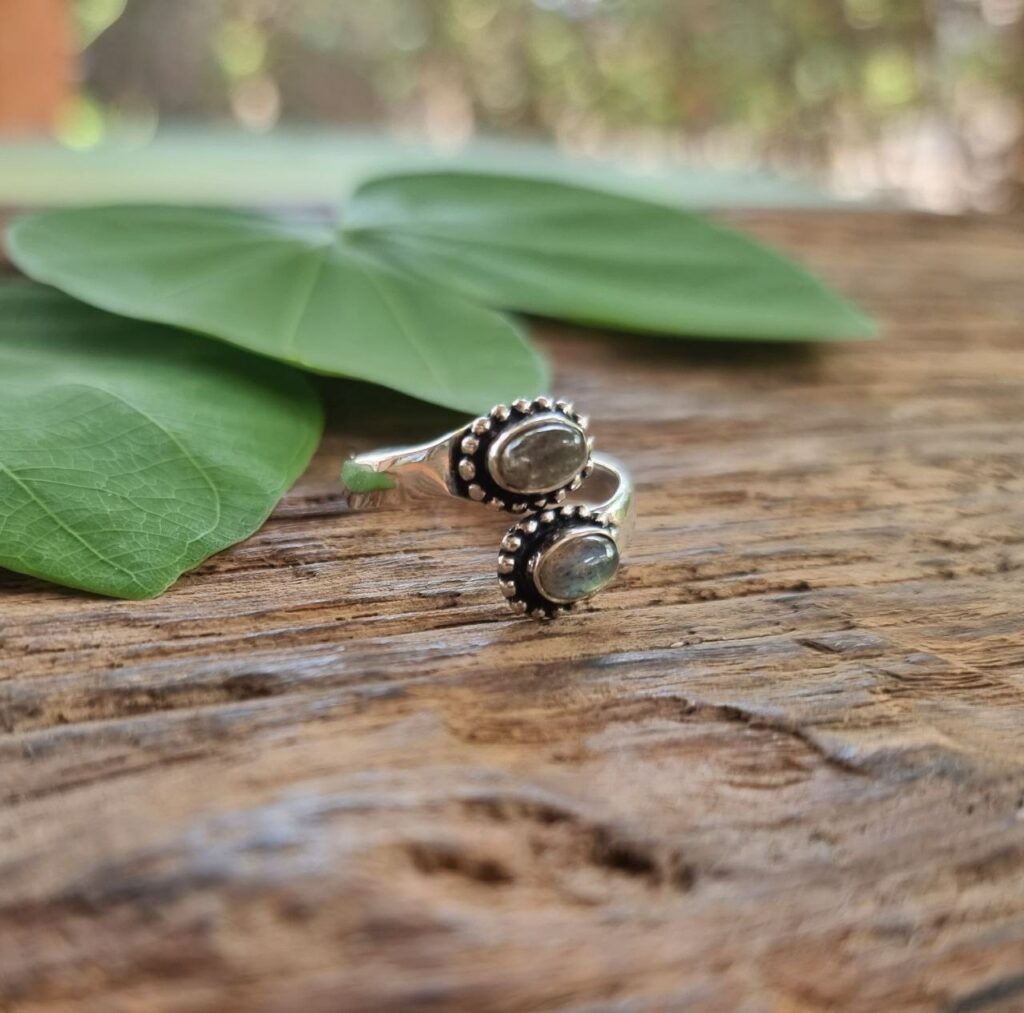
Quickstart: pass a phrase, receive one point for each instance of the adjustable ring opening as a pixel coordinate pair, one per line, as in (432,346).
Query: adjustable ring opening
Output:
(553,560)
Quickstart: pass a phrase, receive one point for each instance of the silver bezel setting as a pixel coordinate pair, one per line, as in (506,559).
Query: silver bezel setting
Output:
(523,548)
(474,449)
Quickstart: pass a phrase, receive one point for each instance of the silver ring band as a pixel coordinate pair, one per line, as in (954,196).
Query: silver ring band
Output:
(534,458)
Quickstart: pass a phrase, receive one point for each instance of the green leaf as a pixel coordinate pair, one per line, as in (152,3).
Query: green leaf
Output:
(130,452)
(594,258)
(297,291)
(362,478)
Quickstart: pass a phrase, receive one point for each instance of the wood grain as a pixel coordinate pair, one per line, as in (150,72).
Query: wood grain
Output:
(779,765)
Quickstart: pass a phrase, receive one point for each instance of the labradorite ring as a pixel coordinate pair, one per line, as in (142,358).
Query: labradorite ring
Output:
(536,459)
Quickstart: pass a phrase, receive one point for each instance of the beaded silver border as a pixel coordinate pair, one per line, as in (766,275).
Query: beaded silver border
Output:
(470,455)
(519,552)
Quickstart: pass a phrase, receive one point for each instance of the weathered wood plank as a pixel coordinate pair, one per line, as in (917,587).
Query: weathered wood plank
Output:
(779,765)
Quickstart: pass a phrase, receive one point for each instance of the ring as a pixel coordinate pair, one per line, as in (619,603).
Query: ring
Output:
(529,458)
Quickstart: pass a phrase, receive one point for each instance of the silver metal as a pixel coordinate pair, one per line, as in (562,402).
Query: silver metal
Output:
(467,461)
(610,496)
(599,499)
(419,473)
(606,505)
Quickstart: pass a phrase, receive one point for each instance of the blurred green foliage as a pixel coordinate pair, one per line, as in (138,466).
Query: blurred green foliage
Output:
(915,97)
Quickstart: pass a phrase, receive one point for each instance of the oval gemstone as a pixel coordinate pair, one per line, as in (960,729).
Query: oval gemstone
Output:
(541,456)
(577,566)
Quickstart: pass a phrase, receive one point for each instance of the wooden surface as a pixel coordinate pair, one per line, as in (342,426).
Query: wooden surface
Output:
(779,766)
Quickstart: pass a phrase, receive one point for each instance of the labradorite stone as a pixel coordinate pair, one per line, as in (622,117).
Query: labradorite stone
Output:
(576,567)
(542,457)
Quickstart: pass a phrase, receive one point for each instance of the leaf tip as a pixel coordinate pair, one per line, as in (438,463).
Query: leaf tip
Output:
(857,325)
(362,478)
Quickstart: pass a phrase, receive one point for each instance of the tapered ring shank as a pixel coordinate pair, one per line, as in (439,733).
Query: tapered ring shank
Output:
(423,473)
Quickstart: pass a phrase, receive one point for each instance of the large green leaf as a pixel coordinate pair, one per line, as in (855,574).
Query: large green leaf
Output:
(130,452)
(594,258)
(298,291)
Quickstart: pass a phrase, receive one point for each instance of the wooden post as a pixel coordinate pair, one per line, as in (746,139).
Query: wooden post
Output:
(35,63)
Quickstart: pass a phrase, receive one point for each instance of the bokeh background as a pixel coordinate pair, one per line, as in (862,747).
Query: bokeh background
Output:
(899,101)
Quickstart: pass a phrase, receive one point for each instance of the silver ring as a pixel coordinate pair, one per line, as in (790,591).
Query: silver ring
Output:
(534,458)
